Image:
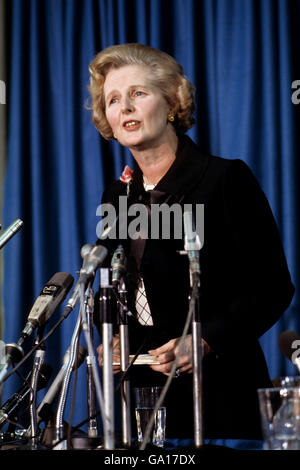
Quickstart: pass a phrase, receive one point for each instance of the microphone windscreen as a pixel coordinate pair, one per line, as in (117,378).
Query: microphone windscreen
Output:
(285,342)
(63,280)
(85,250)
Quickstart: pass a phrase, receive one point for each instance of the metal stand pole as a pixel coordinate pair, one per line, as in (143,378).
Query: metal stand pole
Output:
(192,247)
(59,428)
(90,360)
(197,377)
(37,363)
(107,338)
(124,354)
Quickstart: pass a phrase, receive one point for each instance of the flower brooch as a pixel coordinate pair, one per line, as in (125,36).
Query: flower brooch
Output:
(126,177)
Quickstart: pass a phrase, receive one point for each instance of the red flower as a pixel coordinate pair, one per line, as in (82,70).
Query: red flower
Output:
(127,174)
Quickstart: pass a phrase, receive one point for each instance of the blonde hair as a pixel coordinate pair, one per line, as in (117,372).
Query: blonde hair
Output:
(164,73)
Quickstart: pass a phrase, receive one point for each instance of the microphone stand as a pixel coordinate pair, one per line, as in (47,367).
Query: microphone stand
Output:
(90,360)
(107,338)
(59,443)
(59,427)
(192,249)
(124,357)
(13,354)
(197,373)
(37,363)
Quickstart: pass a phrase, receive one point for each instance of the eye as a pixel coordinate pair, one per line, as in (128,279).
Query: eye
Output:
(139,93)
(112,101)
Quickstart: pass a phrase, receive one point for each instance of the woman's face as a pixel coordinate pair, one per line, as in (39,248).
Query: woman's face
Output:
(135,109)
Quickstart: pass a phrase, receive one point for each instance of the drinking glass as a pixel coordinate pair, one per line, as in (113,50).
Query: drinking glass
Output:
(145,401)
(280,417)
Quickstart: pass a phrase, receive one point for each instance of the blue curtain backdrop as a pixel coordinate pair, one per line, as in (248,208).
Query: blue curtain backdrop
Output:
(242,55)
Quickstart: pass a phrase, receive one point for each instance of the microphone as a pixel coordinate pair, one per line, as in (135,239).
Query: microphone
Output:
(118,265)
(73,299)
(94,258)
(10,232)
(13,403)
(192,244)
(43,408)
(51,296)
(84,252)
(93,261)
(289,345)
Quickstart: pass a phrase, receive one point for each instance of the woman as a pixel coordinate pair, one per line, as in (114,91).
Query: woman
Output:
(141,97)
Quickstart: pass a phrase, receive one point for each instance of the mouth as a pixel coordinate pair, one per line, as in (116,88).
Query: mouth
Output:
(131,125)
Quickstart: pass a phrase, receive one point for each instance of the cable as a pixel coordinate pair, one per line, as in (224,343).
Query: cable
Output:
(125,372)
(124,307)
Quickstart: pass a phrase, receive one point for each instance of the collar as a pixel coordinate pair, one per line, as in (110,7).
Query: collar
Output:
(184,174)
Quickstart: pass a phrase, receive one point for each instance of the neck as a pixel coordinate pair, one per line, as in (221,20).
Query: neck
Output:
(155,162)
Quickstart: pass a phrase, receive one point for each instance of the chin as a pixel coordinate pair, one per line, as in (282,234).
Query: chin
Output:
(132,142)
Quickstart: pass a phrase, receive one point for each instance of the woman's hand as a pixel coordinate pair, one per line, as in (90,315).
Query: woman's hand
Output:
(166,355)
(116,354)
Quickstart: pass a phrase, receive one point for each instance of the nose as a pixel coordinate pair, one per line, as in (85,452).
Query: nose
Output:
(127,105)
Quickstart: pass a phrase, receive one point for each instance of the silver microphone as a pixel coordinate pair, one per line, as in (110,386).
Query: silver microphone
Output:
(51,296)
(93,261)
(10,232)
(84,252)
(192,244)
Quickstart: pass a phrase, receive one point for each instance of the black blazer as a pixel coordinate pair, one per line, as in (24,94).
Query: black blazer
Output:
(245,288)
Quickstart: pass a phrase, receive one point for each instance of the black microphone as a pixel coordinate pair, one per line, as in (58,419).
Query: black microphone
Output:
(118,265)
(12,405)
(51,296)
(43,408)
(10,232)
(289,345)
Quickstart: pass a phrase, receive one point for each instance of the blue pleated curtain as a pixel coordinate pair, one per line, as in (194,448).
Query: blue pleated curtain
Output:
(242,55)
